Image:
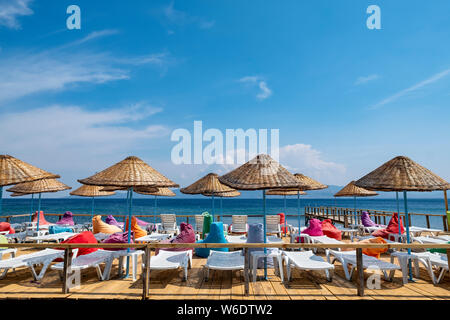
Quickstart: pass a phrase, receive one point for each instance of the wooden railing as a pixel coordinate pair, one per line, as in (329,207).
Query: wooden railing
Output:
(346,216)
(68,247)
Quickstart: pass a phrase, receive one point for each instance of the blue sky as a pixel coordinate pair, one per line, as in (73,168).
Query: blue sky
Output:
(345,98)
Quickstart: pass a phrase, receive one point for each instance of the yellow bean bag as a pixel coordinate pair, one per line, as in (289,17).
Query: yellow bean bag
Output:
(138,231)
(99,226)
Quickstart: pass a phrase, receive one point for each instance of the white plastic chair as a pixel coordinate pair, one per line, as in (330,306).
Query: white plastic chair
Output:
(239,224)
(199,223)
(169,223)
(273,225)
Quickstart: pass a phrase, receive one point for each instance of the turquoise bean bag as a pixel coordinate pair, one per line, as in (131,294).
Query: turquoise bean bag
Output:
(58,229)
(215,235)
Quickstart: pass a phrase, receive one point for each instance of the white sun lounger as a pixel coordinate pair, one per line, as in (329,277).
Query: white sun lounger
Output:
(11,251)
(219,260)
(444,237)
(44,258)
(154,237)
(168,260)
(243,239)
(169,223)
(58,237)
(428,259)
(417,231)
(306,260)
(429,240)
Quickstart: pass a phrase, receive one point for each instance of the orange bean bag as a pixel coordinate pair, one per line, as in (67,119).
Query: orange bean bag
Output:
(374,252)
(391,228)
(137,231)
(330,230)
(99,226)
(42,220)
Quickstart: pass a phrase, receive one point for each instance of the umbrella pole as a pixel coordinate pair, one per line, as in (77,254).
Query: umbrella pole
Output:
(446,200)
(212,205)
(130,205)
(221,210)
(354,206)
(265,234)
(298,214)
(407,232)
(1,199)
(38,212)
(398,213)
(31,207)
(285,216)
(92,208)
(154,212)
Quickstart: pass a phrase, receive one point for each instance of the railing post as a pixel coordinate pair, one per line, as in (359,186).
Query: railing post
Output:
(146,272)
(67,263)
(444,221)
(246,269)
(428,221)
(359,266)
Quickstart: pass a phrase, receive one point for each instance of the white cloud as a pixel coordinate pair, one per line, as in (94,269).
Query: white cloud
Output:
(94,35)
(411,89)
(181,18)
(261,83)
(303,158)
(364,80)
(10,10)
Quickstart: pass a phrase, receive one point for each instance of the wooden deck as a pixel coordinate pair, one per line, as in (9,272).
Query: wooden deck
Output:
(222,285)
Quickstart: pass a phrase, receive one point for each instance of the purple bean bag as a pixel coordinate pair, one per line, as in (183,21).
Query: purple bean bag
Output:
(67,219)
(367,222)
(112,221)
(119,237)
(186,235)
(141,223)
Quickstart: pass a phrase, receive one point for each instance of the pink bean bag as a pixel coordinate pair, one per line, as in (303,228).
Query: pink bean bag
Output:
(186,235)
(391,228)
(314,229)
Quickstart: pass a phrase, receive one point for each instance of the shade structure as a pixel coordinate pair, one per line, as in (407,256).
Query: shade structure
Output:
(351,190)
(129,173)
(39,186)
(401,174)
(207,185)
(285,193)
(261,173)
(156,192)
(92,192)
(13,171)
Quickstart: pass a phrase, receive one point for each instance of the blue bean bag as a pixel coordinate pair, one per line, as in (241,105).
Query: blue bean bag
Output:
(255,234)
(58,229)
(215,235)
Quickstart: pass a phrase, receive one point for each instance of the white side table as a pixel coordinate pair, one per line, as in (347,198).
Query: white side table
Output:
(256,255)
(134,255)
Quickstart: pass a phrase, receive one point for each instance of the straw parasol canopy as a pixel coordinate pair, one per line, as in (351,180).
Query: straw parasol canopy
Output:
(17,194)
(91,191)
(310,183)
(402,174)
(160,192)
(130,172)
(350,190)
(39,186)
(230,194)
(282,192)
(14,171)
(208,184)
(260,173)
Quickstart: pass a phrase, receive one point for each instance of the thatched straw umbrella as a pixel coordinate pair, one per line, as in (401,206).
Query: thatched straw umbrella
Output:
(129,173)
(261,173)
(402,174)
(14,171)
(208,184)
(157,192)
(92,192)
(222,195)
(284,193)
(39,186)
(350,190)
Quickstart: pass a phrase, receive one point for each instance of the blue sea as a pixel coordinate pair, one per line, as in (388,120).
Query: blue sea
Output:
(229,206)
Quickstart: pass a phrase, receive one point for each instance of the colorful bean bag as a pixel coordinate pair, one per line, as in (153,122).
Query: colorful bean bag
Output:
(215,235)
(141,223)
(255,234)
(67,219)
(374,252)
(3,240)
(435,250)
(83,237)
(330,230)
(42,220)
(99,226)
(120,237)
(282,221)
(137,230)
(186,235)
(112,221)
(58,229)
(207,220)
(391,228)
(367,222)
(314,229)
(6,226)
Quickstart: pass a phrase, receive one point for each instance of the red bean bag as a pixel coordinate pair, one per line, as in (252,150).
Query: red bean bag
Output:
(314,229)
(391,228)
(83,237)
(330,230)
(42,220)
(282,221)
(6,226)
(186,235)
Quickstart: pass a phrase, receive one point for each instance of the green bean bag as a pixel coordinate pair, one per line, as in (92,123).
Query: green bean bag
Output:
(207,220)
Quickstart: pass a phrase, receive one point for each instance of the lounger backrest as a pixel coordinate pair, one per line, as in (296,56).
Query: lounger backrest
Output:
(199,223)
(273,224)
(169,221)
(239,223)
